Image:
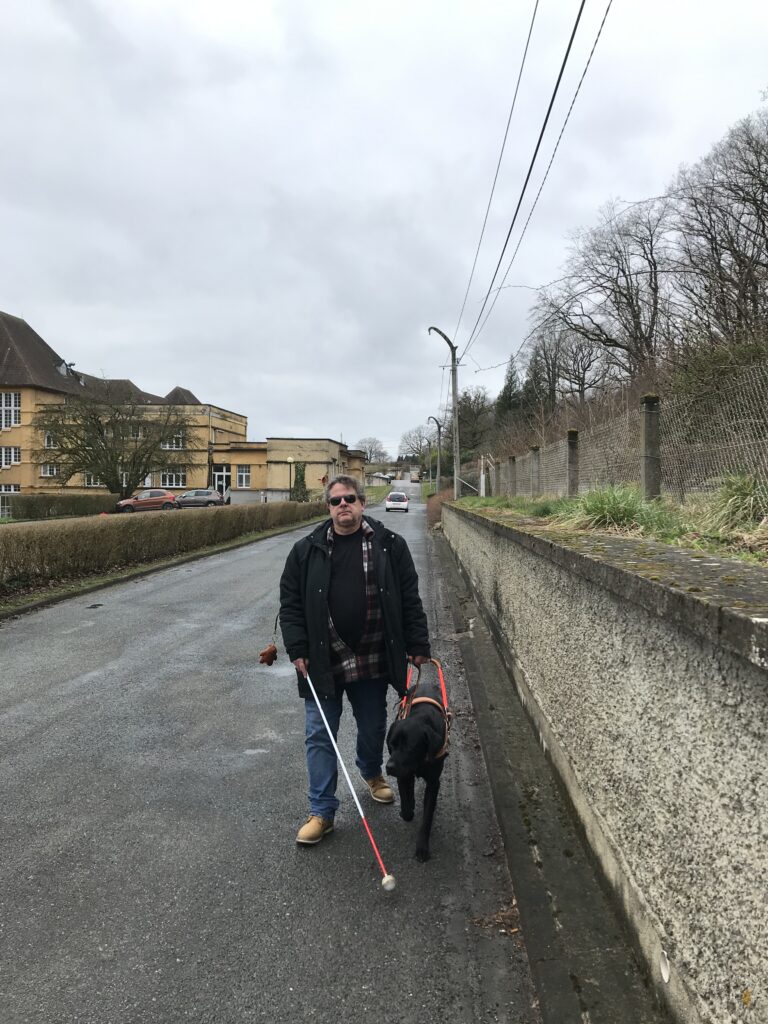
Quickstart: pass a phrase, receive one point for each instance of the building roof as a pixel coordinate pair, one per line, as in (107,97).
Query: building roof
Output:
(28,361)
(181,396)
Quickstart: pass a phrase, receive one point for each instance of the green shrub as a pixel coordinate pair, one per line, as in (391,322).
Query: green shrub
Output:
(621,507)
(740,503)
(489,501)
(36,553)
(53,506)
(539,507)
(545,507)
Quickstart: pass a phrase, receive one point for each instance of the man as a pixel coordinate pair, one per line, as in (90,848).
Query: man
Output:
(350,615)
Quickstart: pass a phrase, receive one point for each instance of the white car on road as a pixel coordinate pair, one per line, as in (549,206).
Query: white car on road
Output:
(396,501)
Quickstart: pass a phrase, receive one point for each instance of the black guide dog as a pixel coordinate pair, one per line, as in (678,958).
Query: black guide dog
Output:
(418,745)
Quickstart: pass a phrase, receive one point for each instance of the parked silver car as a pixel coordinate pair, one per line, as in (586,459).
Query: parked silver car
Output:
(200,498)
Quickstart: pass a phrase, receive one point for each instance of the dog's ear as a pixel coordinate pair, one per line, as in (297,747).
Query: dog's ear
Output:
(390,730)
(396,727)
(435,735)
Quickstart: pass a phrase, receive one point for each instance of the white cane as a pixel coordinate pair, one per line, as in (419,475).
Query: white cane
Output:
(388,881)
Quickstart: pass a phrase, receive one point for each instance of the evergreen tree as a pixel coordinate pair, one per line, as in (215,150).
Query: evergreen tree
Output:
(510,397)
(300,492)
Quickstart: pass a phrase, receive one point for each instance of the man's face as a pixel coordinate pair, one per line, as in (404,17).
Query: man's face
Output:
(346,516)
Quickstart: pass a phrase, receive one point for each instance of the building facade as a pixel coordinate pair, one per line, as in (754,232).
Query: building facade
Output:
(214,453)
(266,470)
(32,376)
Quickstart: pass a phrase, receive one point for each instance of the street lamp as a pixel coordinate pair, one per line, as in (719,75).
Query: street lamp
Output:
(455,390)
(289,460)
(439,426)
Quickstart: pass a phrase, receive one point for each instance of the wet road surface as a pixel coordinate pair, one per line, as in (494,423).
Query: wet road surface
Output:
(153,780)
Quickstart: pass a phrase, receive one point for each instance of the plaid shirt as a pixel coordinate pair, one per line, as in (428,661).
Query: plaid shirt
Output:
(369,661)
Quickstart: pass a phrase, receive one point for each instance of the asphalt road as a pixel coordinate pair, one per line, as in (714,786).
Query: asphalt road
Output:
(152,778)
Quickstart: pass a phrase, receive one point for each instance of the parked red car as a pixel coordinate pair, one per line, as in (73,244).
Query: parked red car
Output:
(156,497)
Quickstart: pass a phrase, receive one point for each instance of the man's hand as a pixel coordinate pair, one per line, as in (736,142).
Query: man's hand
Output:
(301,666)
(420,659)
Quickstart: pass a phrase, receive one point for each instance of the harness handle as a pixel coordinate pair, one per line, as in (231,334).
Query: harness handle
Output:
(441,678)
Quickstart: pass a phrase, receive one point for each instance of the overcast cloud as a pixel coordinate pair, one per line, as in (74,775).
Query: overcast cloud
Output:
(269,203)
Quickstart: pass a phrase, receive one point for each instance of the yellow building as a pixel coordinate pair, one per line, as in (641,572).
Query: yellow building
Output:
(214,453)
(266,470)
(33,375)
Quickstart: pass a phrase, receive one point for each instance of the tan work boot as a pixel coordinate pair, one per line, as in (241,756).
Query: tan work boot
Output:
(380,790)
(313,830)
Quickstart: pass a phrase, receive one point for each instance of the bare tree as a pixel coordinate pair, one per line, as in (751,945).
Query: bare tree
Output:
(413,442)
(117,443)
(721,217)
(583,366)
(616,293)
(373,448)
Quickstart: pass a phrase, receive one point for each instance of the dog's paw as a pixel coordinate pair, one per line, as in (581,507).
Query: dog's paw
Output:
(422,854)
(406,813)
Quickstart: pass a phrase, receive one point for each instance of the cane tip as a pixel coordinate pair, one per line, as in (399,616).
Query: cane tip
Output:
(388,883)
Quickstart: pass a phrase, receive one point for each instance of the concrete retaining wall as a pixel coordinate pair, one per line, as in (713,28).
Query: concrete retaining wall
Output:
(652,702)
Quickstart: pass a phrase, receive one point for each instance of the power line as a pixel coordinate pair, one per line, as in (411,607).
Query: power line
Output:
(546,173)
(498,166)
(530,171)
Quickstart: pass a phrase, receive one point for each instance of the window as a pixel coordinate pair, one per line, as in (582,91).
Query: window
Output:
(175,443)
(136,431)
(124,479)
(174,477)
(243,476)
(10,457)
(91,480)
(49,441)
(49,469)
(5,505)
(10,409)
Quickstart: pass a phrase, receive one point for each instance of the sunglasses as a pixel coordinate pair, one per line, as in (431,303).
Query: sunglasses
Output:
(349,499)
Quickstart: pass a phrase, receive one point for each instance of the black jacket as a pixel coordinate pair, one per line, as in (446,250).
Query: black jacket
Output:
(304,606)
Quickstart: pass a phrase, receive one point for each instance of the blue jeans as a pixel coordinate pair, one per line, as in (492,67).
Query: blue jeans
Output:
(369,706)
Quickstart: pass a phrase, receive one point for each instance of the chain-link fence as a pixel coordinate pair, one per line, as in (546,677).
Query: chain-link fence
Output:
(721,431)
(610,453)
(695,442)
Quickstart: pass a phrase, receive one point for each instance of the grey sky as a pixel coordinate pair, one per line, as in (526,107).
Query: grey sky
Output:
(270,203)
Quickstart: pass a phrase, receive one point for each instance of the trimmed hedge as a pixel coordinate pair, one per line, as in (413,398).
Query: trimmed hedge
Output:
(36,553)
(52,506)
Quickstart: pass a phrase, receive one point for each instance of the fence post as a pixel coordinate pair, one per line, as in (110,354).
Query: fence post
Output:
(650,447)
(573,463)
(512,476)
(535,471)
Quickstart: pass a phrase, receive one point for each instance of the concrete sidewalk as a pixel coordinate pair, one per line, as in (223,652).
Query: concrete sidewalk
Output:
(581,957)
